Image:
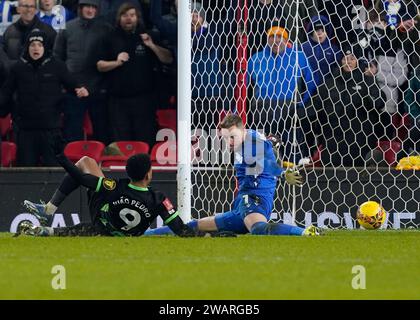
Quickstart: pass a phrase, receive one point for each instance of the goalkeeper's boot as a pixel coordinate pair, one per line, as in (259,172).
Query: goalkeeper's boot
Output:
(29,229)
(39,210)
(312,231)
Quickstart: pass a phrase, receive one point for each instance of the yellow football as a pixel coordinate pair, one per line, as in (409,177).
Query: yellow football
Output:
(371,215)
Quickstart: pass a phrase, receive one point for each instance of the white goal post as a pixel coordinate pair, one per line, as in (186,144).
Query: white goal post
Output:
(184,111)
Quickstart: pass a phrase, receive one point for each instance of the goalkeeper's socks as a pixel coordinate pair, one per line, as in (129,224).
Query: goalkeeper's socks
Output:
(67,186)
(276,229)
(193,224)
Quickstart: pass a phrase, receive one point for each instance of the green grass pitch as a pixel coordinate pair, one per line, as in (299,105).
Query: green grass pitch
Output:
(246,267)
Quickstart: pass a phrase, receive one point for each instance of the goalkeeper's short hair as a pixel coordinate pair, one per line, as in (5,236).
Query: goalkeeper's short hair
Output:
(231,120)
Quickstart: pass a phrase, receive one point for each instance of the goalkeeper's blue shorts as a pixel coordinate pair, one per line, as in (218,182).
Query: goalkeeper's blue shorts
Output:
(243,205)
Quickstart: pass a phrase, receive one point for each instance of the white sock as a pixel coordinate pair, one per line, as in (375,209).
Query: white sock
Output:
(50,209)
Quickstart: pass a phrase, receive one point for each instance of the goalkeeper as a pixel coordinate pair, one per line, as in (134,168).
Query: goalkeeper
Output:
(124,207)
(256,170)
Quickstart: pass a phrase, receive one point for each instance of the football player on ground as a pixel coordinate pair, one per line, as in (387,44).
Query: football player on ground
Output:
(124,207)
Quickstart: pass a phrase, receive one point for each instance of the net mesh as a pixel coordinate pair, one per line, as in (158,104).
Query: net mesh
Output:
(336,80)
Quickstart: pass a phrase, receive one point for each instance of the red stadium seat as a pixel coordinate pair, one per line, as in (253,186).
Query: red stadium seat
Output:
(128,148)
(77,149)
(164,154)
(167,118)
(8,153)
(5,125)
(390,150)
(87,126)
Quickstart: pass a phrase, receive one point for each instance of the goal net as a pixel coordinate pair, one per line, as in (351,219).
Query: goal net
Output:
(337,80)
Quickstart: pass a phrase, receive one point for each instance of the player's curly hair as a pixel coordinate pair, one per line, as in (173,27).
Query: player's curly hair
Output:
(138,166)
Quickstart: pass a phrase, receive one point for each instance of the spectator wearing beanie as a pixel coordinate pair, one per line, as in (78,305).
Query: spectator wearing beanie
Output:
(272,75)
(15,35)
(262,15)
(323,55)
(76,46)
(37,80)
(278,56)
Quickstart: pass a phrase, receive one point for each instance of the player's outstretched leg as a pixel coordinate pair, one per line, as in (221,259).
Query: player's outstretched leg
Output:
(42,211)
(78,230)
(257,224)
(275,229)
(45,211)
(268,228)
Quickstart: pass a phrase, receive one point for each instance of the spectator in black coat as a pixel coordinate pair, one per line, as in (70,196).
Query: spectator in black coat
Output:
(76,46)
(129,57)
(37,81)
(346,114)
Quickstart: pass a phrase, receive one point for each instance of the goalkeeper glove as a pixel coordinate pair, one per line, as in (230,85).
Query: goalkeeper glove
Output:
(293,177)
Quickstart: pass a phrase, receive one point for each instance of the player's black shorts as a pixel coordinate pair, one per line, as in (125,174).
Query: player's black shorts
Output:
(87,229)
(90,229)
(93,228)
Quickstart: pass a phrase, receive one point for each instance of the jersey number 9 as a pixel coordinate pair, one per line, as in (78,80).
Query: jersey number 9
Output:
(131,222)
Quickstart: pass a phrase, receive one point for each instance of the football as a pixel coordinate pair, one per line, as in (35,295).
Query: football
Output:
(371,215)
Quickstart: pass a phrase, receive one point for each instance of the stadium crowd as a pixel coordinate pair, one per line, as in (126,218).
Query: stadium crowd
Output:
(351,76)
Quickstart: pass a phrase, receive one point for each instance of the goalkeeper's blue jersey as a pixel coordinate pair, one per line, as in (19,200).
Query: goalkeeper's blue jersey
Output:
(256,167)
